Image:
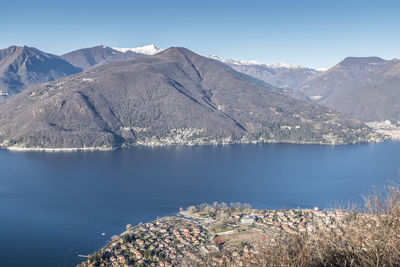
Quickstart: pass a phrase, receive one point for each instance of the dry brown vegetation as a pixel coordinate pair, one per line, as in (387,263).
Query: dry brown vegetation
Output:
(369,236)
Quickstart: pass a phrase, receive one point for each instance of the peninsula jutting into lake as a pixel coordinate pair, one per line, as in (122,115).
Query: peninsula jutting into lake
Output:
(236,235)
(208,234)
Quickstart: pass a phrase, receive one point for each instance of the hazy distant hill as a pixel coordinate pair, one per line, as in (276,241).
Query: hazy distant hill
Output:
(95,56)
(336,78)
(21,67)
(375,98)
(174,97)
(279,75)
(367,88)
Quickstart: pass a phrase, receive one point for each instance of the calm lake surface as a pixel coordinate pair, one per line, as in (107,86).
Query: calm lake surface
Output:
(54,206)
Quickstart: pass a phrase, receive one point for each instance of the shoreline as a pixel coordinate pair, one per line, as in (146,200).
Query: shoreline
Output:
(60,149)
(77,149)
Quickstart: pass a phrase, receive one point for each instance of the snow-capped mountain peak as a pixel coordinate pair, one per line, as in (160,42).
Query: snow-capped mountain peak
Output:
(216,58)
(322,69)
(147,49)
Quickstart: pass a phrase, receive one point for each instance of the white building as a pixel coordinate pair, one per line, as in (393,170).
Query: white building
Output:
(247,219)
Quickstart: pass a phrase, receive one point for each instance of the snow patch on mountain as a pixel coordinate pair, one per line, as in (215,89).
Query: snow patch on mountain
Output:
(147,49)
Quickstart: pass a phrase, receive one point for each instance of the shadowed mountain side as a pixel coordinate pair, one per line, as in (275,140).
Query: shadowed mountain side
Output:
(174,97)
(21,67)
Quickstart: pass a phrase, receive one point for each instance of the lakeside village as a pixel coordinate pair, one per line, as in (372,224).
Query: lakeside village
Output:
(212,234)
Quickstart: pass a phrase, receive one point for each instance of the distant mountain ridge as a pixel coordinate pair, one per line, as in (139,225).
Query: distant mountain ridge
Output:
(173,97)
(22,66)
(367,88)
(255,62)
(282,75)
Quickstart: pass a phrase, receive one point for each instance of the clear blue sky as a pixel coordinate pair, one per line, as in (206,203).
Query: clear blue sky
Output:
(315,33)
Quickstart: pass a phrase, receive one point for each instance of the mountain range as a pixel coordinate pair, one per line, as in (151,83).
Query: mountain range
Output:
(366,88)
(173,97)
(22,66)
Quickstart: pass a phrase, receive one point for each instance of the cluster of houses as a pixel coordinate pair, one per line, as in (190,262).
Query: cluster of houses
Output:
(171,241)
(164,242)
(294,221)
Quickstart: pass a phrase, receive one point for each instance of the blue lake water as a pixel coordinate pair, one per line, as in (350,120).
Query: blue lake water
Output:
(54,206)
